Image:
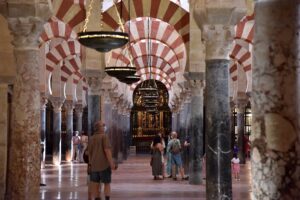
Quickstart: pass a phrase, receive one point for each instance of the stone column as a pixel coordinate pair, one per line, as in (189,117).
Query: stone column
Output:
(78,113)
(114,141)
(69,105)
(57,103)
(94,99)
(185,128)
(217,33)
(3,137)
(196,132)
(275,156)
(24,155)
(240,117)
(44,101)
(217,120)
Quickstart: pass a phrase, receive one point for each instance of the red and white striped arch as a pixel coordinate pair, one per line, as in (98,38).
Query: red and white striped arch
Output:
(242,56)
(158,63)
(139,49)
(157,30)
(60,52)
(164,10)
(71,12)
(147,77)
(55,28)
(70,66)
(154,70)
(245,29)
(233,70)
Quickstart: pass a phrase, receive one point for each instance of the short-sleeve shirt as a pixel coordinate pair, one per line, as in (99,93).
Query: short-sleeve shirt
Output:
(97,156)
(235,160)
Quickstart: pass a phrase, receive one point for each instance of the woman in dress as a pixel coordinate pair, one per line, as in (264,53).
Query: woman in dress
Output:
(157,165)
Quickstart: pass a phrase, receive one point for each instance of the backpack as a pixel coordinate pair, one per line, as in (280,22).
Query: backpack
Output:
(175,148)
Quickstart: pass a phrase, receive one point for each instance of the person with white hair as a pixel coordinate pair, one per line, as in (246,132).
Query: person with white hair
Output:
(76,141)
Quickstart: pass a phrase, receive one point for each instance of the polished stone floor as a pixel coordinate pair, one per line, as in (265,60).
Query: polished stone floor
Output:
(132,180)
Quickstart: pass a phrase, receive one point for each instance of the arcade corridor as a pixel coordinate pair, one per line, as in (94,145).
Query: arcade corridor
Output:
(132,180)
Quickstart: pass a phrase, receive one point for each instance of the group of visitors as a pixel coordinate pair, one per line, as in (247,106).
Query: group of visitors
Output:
(80,143)
(173,162)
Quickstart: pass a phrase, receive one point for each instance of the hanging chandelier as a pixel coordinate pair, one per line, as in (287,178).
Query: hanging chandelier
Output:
(125,74)
(102,41)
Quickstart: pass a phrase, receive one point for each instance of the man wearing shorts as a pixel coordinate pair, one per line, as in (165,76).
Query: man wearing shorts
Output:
(100,162)
(176,161)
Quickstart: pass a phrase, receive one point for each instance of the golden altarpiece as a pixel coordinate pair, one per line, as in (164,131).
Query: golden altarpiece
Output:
(146,121)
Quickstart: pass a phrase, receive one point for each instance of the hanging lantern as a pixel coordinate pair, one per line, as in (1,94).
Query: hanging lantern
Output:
(102,41)
(124,74)
(130,79)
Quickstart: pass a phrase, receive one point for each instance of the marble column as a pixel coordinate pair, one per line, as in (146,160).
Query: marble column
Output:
(240,117)
(4,121)
(186,127)
(94,99)
(23,177)
(69,105)
(79,113)
(57,103)
(114,141)
(182,122)
(275,156)
(196,132)
(232,124)
(44,101)
(218,137)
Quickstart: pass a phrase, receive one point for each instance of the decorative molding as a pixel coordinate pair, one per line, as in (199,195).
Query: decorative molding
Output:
(218,40)
(69,106)
(78,110)
(26,32)
(57,103)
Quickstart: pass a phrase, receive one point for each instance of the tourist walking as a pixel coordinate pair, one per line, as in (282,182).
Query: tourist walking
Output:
(100,163)
(236,166)
(76,141)
(156,158)
(175,148)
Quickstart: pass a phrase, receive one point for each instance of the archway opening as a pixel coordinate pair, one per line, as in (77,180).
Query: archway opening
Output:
(145,122)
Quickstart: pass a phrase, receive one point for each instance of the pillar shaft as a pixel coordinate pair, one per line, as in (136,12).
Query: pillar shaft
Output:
(24,156)
(196,134)
(69,108)
(240,117)
(43,130)
(218,149)
(93,111)
(275,145)
(79,112)
(57,103)
(4,121)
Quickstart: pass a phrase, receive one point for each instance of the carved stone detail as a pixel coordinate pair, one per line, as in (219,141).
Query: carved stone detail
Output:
(44,101)
(57,103)
(78,110)
(94,85)
(26,32)
(69,105)
(218,40)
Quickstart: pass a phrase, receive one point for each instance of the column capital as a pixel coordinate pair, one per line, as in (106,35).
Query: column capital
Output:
(26,32)
(217,21)
(78,109)
(44,101)
(218,40)
(57,103)
(196,87)
(69,106)
(94,80)
(241,105)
